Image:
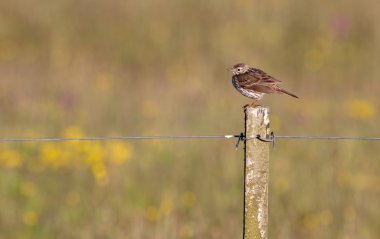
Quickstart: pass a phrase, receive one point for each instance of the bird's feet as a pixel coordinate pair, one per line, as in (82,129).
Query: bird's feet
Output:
(245,107)
(252,104)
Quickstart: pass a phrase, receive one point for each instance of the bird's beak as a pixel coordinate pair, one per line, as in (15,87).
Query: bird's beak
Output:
(229,69)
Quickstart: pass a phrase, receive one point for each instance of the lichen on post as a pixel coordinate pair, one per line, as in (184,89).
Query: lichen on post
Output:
(256,173)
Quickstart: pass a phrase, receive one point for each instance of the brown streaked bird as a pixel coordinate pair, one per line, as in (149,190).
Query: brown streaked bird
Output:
(255,83)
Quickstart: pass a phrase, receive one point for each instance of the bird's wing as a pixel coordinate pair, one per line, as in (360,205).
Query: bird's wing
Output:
(261,76)
(262,88)
(258,80)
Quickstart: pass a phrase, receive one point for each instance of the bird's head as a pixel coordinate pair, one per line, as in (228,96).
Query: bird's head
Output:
(240,68)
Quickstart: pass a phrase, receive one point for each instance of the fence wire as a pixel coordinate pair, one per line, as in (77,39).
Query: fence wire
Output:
(228,136)
(240,136)
(325,137)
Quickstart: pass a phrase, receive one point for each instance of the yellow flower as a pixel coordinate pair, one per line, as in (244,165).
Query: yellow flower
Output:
(119,152)
(152,214)
(311,222)
(167,205)
(30,218)
(93,152)
(52,155)
(99,171)
(10,158)
(360,109)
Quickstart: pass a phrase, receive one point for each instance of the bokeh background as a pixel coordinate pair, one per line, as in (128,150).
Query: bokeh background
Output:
(114,68)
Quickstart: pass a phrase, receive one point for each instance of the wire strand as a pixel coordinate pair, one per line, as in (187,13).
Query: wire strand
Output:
(324,137)
(228,136)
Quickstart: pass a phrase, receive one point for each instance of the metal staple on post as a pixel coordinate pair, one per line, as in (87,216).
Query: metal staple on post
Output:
(256,173)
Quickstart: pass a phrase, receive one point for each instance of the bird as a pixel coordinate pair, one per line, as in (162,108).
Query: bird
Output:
(255,83)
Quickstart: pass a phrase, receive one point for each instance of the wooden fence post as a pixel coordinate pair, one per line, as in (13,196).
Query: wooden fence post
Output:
(256,174)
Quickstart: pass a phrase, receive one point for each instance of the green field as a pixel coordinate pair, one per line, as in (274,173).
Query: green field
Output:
(116,68)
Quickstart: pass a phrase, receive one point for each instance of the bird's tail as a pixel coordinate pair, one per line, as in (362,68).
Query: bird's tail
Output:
(288,93)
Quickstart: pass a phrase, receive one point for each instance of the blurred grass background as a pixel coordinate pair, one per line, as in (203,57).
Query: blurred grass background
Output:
(94,68)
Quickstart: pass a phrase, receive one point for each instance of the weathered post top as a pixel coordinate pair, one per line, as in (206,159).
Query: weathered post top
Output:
(256,172)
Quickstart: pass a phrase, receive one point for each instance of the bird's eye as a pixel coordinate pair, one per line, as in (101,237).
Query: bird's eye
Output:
(238,69)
